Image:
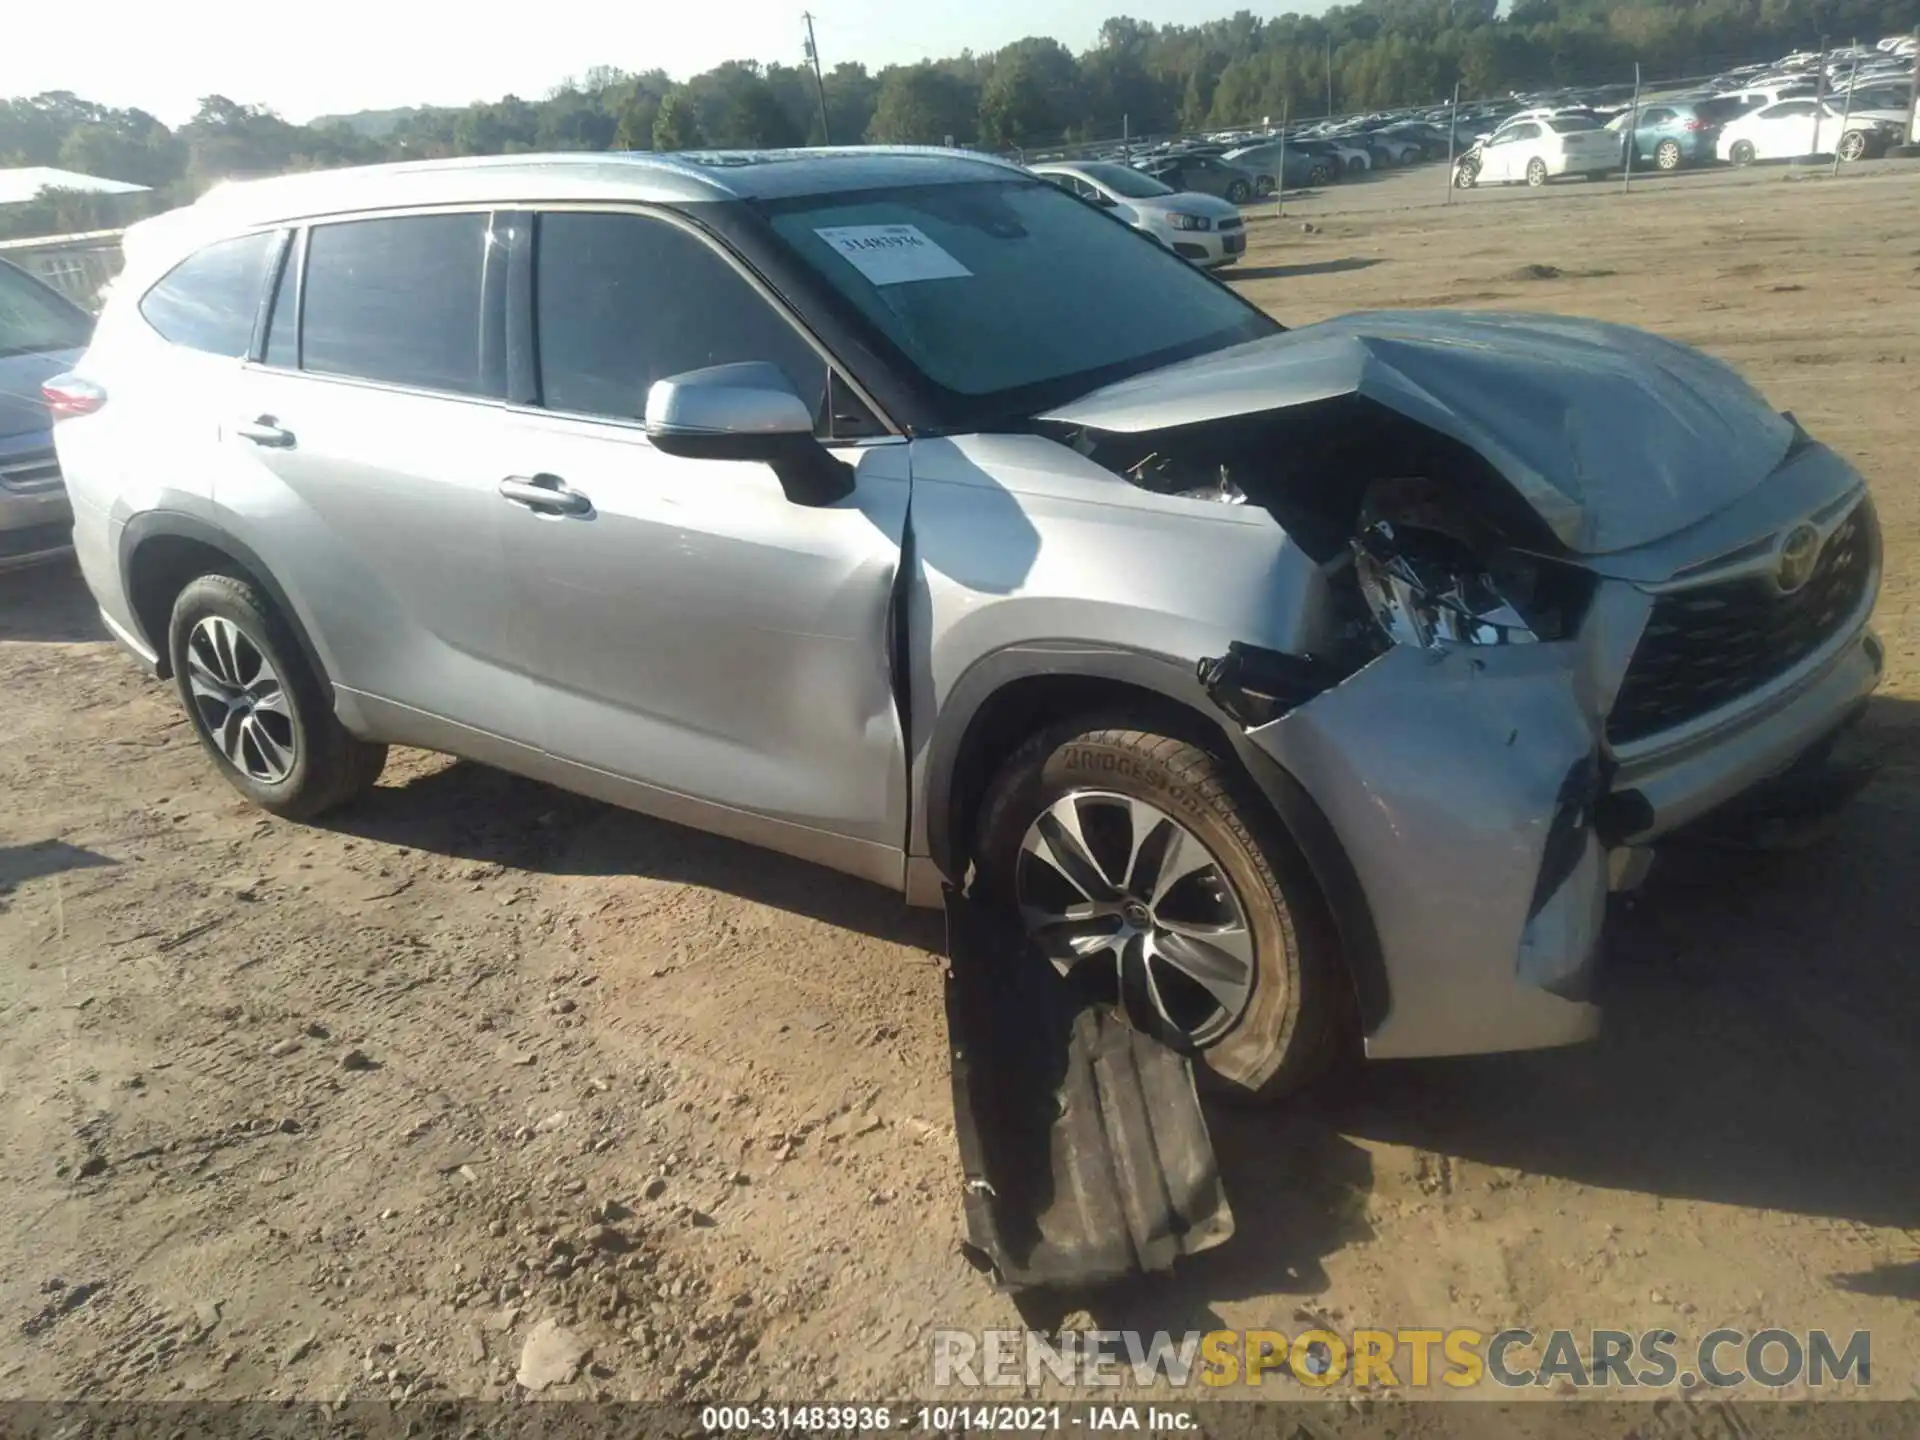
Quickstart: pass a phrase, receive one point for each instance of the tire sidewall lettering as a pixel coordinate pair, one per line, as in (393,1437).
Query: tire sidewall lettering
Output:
(1111,764)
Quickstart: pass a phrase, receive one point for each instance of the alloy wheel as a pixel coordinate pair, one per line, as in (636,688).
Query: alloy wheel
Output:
(240,701)
(1121,896)
(1852,145)
(1667,157)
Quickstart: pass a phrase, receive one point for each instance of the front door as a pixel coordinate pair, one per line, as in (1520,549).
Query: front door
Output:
(703,648)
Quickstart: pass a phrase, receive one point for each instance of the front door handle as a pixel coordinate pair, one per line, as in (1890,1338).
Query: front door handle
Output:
(265,431)
(545,493)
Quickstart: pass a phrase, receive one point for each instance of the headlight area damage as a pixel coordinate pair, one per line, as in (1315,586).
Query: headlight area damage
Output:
(1455,477)
(1482,497)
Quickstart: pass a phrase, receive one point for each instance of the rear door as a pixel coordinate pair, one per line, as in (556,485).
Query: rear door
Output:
(717,653)
(368,434)
(1656,125)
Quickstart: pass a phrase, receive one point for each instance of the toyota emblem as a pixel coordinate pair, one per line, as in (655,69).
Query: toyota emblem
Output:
(1799,549)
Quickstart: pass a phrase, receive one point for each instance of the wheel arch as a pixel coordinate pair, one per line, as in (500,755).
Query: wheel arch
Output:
(161,551)
(1005,697)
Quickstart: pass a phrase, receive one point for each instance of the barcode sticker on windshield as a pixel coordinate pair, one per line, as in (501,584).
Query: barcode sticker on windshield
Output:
(892,254)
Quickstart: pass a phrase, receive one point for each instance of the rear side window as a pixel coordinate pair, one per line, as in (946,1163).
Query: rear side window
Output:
(396,300)
(209,300)
(621,301)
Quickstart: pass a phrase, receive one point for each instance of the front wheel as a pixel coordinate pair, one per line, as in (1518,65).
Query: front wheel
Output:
(1853,145)
(1742,152)
(260,711)
(1144,873)
(1320,174)
(1237,192)
(1466,175)
(1536,173)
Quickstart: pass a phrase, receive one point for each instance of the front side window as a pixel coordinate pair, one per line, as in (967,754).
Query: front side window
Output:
(1003,293)
(621,301)
(397,301)
(209,301)
(34,320)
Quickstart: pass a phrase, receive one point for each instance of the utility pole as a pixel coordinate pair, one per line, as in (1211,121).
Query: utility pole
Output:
(819,83)
(1913,95)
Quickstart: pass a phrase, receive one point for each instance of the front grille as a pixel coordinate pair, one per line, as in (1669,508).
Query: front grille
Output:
(34,539)
(31,474)
(1236,244)
(1707,646)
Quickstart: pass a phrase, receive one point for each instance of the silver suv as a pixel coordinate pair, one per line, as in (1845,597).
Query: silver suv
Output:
(898,511)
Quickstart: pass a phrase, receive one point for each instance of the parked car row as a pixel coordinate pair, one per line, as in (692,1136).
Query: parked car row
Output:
(1854,104)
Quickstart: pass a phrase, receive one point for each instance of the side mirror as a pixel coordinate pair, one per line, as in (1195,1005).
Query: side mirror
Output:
(748,411)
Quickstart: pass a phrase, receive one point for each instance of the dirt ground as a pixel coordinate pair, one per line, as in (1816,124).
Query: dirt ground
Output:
(344,1111)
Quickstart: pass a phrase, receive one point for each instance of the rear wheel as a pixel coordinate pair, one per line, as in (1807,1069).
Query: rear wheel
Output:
(1666,155)
(1264,185)
(1238,193)
(1148,879)
(1536,173)
(1320,174)
(260,711)
(1742,152)
(1853,145)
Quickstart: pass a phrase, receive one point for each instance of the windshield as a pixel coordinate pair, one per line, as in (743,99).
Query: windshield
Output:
(1011,296)
(1125,181)
(33,319)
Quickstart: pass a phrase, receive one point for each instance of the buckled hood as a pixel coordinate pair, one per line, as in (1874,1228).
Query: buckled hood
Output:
(1615,436)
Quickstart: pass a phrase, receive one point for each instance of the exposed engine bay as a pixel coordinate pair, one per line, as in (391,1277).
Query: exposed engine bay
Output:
(1423,542)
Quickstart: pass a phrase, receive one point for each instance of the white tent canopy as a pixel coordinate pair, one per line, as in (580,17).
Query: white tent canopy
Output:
(18,186)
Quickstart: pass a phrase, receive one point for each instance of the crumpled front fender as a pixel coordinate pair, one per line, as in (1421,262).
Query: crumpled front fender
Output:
(1455,779)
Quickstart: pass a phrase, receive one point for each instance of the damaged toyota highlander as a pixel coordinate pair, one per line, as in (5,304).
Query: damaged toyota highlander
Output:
(894,510)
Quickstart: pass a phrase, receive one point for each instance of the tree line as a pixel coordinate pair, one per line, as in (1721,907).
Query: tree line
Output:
(1144,78)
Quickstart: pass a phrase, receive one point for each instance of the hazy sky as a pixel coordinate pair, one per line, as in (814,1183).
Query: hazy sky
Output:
(328,56)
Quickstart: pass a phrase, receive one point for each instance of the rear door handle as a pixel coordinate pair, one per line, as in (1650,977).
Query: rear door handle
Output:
(265,431)
(545,493)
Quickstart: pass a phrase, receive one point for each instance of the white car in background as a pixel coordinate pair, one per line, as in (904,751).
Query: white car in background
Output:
(1205,229)
(1796,128)
(1537,151)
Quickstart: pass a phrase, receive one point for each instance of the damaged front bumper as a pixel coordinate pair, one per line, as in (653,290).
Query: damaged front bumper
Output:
(1486,818)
